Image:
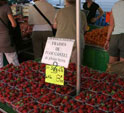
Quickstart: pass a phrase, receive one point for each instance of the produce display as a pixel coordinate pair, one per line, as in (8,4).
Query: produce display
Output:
(24,89)
(97,36)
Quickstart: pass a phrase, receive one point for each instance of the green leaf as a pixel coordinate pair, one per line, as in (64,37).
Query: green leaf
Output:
(113,92)
(102,104)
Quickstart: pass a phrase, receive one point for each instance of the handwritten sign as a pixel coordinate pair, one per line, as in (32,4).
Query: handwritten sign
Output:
(58,50)
(54,74)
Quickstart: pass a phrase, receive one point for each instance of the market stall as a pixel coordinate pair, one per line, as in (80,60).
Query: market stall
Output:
(94,54)
(24,89)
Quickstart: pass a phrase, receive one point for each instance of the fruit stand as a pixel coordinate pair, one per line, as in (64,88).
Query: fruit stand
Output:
(94,54)
(23,88)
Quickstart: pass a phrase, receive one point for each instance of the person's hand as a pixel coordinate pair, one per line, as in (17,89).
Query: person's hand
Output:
(106,46)
(93,20)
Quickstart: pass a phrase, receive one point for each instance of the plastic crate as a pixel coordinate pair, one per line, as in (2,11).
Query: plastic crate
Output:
(95,58)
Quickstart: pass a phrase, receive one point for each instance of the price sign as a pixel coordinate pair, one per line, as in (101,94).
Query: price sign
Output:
(58,50)
(54,74)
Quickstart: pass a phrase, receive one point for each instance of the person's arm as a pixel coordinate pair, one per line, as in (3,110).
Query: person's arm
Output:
(12,20)
(55,21)
(100,14)
(110,29)
(55,24)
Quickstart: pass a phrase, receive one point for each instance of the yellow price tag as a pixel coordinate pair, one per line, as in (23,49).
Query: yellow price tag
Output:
(54,74)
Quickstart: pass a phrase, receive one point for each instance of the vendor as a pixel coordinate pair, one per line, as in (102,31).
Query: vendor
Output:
(65,23)
(115,38)
(91,8)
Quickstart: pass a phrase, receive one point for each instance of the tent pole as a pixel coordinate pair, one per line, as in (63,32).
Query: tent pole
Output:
(78,44)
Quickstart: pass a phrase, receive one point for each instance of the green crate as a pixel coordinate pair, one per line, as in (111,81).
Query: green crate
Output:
(95,58)
(91,27)
(6,108)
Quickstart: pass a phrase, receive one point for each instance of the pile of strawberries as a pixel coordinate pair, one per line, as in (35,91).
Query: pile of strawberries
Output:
(24,89)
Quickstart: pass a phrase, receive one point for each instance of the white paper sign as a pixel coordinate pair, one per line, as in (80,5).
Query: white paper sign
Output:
(58,51)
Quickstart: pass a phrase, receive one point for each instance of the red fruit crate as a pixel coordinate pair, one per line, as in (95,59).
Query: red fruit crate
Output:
(60,101)
(119,109)
(84,96)
(29,63)
(83,79)
(99,76)
(8,94)
(65,90)
(109,105)
(110,78)
(13,95)
(87,75)
(85,72)
(38,92)
(71,80)
(13,80)
(40,67)
(119,96)
(45,109)
(33,65)
(70,106)
(84,108)
(106,88)
(120,82)
(35,77)
(97,100)
(8,67)
(68,75)
(110,89)
(71,67)
(3,75)
(46,99)
(25,86)
(87,84)
(4,89)
(32,107)
(19,102)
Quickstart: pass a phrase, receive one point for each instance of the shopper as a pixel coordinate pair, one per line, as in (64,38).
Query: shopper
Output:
(91,8)
(115,38)
(65,22)
(41,29)
(5,42)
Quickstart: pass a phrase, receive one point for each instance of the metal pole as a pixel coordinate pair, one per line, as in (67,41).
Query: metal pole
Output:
(78,43)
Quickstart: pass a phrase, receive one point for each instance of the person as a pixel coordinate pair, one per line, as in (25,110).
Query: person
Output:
(92,7)
(5,41)
(41,29)
(65,23)
(115,37)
